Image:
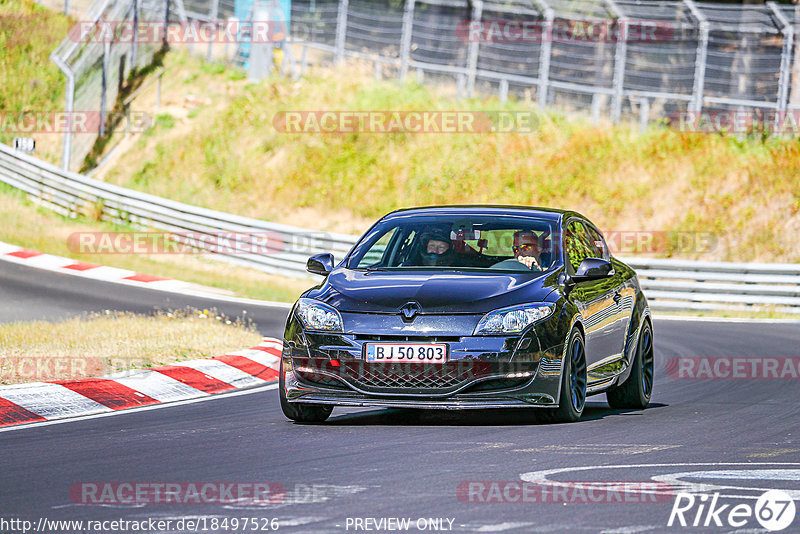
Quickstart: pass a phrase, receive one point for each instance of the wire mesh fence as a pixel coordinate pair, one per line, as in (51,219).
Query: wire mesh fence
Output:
(97,58)
(650,60)
(617,58)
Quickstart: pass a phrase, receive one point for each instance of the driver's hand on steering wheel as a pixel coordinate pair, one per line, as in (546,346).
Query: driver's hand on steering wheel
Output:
(529,262)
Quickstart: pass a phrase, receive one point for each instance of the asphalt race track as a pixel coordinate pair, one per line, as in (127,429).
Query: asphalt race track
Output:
(29,294)
(739,436)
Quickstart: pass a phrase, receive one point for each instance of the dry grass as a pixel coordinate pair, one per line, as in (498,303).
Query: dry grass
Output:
(100,344)
(25,224)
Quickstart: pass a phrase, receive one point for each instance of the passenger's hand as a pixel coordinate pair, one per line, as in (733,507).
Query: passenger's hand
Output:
(529,262)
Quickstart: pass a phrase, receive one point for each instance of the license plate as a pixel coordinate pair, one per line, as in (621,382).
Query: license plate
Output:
(407,352)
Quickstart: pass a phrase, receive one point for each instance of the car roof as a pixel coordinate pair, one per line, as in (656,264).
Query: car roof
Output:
(551,214)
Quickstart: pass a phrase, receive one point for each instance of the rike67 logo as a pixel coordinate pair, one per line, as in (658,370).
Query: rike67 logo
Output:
(774,510)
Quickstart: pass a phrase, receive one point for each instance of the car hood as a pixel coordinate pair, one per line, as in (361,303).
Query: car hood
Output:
(385,292)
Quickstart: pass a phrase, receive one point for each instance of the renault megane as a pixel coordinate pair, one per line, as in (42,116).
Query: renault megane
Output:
(458,307)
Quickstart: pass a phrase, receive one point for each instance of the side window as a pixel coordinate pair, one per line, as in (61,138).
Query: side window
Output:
(374,256)
(579,245)
(601,248)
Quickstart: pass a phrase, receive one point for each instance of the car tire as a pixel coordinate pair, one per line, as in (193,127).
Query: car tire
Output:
(572,393)
(301,412)
(635,392)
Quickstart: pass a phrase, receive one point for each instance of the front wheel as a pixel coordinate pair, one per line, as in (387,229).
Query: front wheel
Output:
(635,392)
(572,394)
(301,412)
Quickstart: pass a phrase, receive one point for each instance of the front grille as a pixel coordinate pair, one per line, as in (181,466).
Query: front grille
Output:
(413,377)
(398,378)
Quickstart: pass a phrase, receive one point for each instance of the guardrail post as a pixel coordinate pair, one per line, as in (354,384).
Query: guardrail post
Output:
(472,58)
(786,57)
(405,40)
(644,113)
(341,29)
(696,104)
(620,57)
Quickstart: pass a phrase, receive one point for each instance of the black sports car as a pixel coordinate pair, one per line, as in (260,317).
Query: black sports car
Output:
(470,307)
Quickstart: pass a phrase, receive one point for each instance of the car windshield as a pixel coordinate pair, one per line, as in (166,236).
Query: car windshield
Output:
(471,242)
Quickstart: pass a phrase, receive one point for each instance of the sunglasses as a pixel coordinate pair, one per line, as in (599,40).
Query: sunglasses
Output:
(527,247)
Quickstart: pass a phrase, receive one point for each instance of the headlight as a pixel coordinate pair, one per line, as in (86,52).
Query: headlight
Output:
(512,320)
(316,315)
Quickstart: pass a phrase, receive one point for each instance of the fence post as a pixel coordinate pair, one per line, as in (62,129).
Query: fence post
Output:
(70,99)
(341,29)
(472,58)
(696,104)
(103,87)
(786,57)
(165,44)
(545,52)
(405,40)
(620,55)
(214,16)
(135,39)
(260,52)
(66,7)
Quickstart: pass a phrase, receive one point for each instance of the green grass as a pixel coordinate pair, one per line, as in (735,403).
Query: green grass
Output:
(30,81)
(230,157)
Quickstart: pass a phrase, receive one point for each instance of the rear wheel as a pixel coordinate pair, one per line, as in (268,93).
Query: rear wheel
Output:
(635,392)
(572,395)
(301,412)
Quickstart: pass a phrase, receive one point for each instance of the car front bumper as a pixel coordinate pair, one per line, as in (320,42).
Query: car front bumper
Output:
(482,372)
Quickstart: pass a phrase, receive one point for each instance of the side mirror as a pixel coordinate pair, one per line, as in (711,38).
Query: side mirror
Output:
(320,264)
(593,269)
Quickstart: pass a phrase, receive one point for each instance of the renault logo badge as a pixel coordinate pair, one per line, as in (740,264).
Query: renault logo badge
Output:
(410,310)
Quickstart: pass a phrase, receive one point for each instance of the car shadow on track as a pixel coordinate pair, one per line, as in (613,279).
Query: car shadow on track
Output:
(495,417)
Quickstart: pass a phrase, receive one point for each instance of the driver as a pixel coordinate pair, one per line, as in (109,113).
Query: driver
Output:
(526,249)
(437,248)
(526,253)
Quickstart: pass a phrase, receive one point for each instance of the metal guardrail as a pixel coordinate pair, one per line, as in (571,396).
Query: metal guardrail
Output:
(71,193)
(668,284)
(701,285)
